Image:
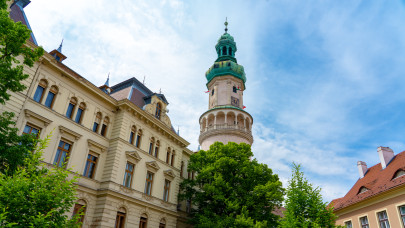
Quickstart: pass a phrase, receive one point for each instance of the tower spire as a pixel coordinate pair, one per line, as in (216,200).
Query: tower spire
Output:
(107,83)
(60,47)
(226,24)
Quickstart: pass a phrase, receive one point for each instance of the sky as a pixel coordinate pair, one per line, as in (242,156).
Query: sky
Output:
(325,79)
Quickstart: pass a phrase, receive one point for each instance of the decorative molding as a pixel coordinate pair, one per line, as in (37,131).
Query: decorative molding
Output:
(169,174)
(126,190)
(152,166)
(64,130)
(133,155)
(31,114)
(147,197)
(92,144)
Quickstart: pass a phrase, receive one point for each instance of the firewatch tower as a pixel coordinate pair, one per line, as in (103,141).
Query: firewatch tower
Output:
(225,120)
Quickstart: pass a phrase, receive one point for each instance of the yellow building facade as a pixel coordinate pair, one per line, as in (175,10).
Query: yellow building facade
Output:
(118,140)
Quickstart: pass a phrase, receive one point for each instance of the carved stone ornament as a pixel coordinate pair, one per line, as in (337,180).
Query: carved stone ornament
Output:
(152,166)
(133,155)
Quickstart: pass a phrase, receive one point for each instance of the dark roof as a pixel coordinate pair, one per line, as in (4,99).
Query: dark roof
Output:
(17,14)
(376,180)
(135,91)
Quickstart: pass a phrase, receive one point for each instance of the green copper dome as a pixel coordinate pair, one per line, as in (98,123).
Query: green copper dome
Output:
(226,63)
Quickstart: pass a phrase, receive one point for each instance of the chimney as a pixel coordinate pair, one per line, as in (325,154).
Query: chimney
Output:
(362,166)
(386,154)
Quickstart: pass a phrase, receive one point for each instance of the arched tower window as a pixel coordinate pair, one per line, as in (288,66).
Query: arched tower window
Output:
(151,144)
(138,138)
(132,135)
(158,110)
(157,148)
(230,51)
(104,126)
(168,154)
(224,51)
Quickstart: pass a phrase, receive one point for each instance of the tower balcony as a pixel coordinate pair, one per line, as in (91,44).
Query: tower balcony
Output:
(225,124)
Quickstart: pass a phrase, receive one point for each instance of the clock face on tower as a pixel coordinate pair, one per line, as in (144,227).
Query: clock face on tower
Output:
(234,101)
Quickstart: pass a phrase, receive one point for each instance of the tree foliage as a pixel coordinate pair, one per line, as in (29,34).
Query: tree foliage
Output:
(230,189)
(35,196)
(14,55)
(304,205)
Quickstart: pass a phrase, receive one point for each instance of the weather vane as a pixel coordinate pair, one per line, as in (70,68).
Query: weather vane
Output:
(226,24)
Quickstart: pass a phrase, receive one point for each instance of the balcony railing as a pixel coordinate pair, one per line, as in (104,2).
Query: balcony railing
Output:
(225,126)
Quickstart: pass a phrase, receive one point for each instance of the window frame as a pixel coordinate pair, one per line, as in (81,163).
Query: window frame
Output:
(138,138)
(158,112)
(97,121)
(53,90)
(402,215)
(120,219)
(71,106)
(349,224)
(57,160)
(143,222)
(80,113)
(367,225)
(129,173)
(90,171)
(166,190)
(383,220)
(76,210)
(31,126)
(149,183)
(43,84)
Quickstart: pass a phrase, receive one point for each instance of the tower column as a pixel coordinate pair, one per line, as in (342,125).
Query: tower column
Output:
(215,122)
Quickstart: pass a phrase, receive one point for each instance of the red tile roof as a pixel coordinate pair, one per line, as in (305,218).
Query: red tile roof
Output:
(376,180)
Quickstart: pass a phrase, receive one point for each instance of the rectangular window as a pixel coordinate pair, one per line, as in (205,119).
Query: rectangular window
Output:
(120,220)
(166,190)
(138,141)
(132,137)
(28,129)
(402,212)
(383,219)
(149,182)
(69,111)
(364,222)
(38,94)
(103,130)
(79,209)
(129,173)
(62,153)
(348,224)
(79,115)
(91,164)
(49,99)
(95,127)
(151,148)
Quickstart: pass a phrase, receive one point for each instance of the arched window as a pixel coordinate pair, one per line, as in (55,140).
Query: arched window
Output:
(120,218)
(151,145)
(97,122)
(71,107)
(172,160)
(168,155)
(143,221)
(132,135)
(51,96)
(105,126)
(162,223)
(80,113)
(157,148)
(138,138)
(39,93)
(230,51)
(80,207)
(399,173)
(158,110)
(224,51)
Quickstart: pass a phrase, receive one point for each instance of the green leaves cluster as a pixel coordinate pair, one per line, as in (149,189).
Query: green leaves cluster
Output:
(14,54)
(35,196)
(230,189)
(304,205)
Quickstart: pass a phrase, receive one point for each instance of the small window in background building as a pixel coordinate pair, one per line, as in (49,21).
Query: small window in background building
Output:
(364,222)
(402,212)
(383,219)
(348,224)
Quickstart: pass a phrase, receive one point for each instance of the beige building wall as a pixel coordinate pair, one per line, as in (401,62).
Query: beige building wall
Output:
(105,194)
(389,201)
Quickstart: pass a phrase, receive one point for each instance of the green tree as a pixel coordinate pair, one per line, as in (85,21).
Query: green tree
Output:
(35,196)
(230,189)
(304,205)
(14,55)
